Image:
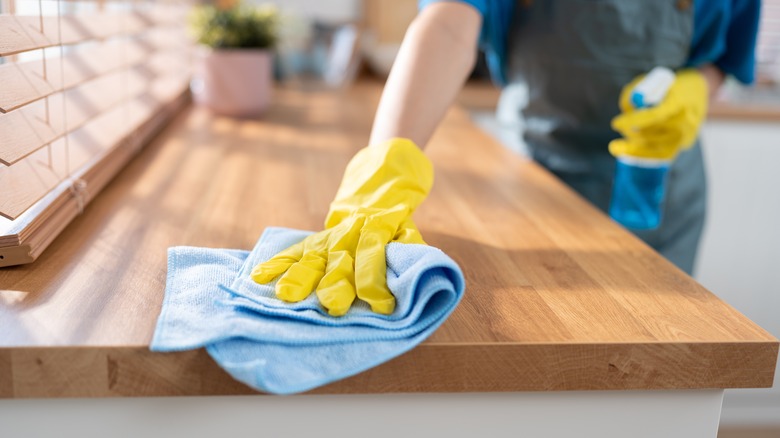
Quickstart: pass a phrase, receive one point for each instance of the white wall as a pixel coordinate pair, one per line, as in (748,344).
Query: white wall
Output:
(331,11)
(739,256)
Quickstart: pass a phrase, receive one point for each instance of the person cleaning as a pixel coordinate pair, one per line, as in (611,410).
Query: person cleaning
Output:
(579,60)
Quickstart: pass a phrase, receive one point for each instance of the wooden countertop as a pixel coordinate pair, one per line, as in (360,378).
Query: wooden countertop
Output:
(720,110)
(558,296)
(483,95)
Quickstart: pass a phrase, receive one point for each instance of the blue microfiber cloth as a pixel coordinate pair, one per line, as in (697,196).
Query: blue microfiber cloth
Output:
(210,301)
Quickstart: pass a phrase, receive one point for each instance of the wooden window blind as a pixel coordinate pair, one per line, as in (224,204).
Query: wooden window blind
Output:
(83,85)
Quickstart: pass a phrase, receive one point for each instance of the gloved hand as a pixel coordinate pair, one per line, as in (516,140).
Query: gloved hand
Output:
(662,131)
(382,186)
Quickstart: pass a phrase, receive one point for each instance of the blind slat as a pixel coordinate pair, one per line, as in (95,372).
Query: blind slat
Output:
(19,34)
(23,33)
(31,178)
(24,82)
(31,128)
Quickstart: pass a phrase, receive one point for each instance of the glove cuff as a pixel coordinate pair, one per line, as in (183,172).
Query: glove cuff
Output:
(391,174)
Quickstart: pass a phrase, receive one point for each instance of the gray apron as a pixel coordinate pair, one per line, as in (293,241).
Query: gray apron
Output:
(575,56)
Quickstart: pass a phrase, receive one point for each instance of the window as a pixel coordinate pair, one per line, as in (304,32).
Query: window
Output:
(768,44)
(83,85)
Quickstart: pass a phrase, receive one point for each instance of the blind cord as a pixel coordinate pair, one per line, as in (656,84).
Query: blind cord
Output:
(78,189)
(76,186)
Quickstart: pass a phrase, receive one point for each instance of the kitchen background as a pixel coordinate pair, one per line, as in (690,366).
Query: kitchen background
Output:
(739,258)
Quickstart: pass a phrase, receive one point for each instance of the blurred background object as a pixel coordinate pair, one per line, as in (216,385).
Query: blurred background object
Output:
(343,56)
(385,24)
(761,101)
(318,40)
(234,72)
(768,47)
(333,40)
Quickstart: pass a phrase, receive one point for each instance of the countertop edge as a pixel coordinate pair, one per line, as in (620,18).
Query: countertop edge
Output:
(61,372)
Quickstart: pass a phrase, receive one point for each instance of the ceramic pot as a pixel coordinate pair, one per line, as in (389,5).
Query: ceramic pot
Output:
(234,82)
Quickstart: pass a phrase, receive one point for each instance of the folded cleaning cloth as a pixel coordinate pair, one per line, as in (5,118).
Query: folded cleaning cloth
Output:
(210,301)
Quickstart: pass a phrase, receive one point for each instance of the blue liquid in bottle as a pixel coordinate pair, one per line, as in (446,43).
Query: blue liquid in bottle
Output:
(640,183)
(638,192)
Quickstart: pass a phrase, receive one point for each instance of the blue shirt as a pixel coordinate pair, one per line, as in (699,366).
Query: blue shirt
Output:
(724,34)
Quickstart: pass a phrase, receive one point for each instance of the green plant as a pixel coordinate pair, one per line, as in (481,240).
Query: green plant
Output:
(238,27)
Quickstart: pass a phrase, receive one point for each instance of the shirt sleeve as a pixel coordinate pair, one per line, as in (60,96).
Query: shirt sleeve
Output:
(496,18)
(725,34)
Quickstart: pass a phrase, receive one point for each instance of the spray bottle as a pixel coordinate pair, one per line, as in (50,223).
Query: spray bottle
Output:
(640,183)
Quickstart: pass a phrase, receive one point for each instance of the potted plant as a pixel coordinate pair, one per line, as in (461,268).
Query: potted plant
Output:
(234,75)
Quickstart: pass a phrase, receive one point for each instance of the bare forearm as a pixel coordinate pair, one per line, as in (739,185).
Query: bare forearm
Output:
(437,54)
(714,77)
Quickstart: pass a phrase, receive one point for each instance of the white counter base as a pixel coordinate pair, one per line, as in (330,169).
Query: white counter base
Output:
(580,414)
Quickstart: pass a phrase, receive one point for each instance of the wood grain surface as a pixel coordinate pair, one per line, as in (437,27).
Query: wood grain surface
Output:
(558,296)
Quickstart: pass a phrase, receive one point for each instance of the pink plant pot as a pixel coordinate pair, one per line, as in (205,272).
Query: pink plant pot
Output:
(234,82)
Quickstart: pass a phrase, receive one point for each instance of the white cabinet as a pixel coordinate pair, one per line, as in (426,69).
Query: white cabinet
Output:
(739,256)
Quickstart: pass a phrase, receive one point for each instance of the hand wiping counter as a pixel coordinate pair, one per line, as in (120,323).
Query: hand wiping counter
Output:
(380,290)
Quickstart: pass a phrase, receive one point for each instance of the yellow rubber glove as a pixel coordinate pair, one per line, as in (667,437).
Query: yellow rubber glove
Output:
(662,131)
(382,186)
